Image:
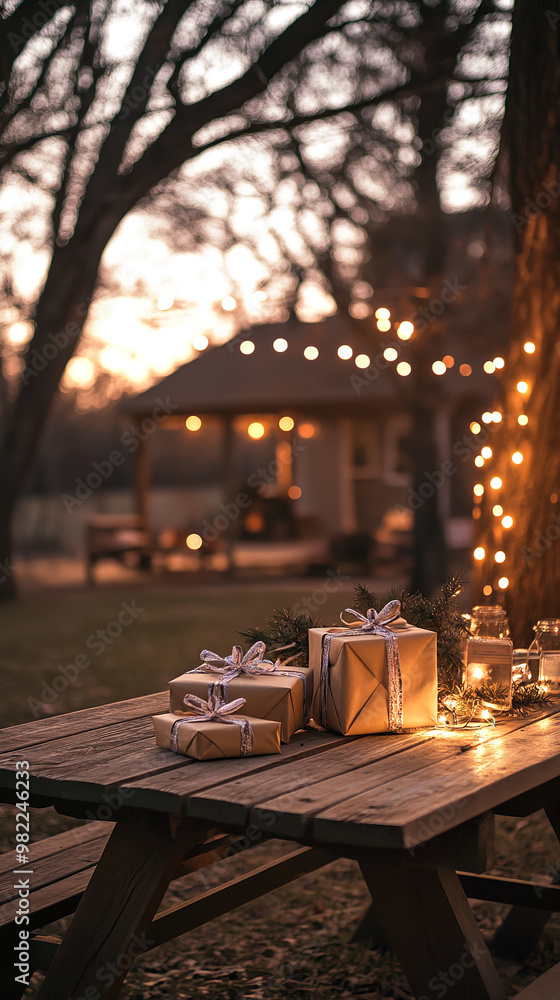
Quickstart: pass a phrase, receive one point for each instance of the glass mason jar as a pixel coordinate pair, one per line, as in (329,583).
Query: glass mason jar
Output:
(488,657)
(545,648)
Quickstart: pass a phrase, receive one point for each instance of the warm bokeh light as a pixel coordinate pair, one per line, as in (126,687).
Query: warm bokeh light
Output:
(403,368)
(554,498)
(20,332)
(194,541)
(79,372)
(382,313)
(448,360)
(486,452)
(486,417)
(529,347)
(311,353)
(294,492)
(345,352)
(306,430)
(496,482)
(405,330)
(359,310)
(383,325)
(522,387)
(479,461)
(390,354)
(497,510)
(439,368)
(285,423)
(475,427)
(517,457)
(256,430)
(193,423)
(165,302)
(280,345)
(259,296)
(465,370)
(246,347)
(479,553)
(229,303)
(200,343)
(503,583)
(500,556)
(362,361)
(523,419)
(496,416)
(498,362)
(489,367)
(477,513)
(478,490)
(487,590)
(507,521)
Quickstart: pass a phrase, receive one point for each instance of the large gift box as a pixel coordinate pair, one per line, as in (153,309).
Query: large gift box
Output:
(380,676)
(271,691)
(216,730)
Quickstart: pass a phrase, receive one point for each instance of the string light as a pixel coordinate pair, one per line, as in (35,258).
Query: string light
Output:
(478,490)
(522,387)
(496,482)
(383,325)
(439,368)
(247,347)
(517,458)
(306,430)
(465,370)
(554,498)
(497,510)
(286,423)
(477,513)
(311,353)
(499,362)
(486,417)
(500,556)
(362,361)
(294,492)
(448,360)
(390,354)
(228,303)
(475,427)
(529,347)
(487,590)
(489,367)
(256,430)
(479,553)
(486,452)
(280,345)
(479,461)
(382,313)
(496,416)
(507,521)
(503,583)
(194,541)
(405,330)
(200,343)
(523,419)
(345,352)
(165,302)
(403,368)
(193,423)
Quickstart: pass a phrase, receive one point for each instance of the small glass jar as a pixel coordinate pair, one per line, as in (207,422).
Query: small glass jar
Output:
(488,656)
(546,648)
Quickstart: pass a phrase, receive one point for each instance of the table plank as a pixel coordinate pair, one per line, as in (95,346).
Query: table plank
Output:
(409,810)
(43,730)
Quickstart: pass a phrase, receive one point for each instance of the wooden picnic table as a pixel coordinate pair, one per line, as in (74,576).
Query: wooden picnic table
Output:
(414,810)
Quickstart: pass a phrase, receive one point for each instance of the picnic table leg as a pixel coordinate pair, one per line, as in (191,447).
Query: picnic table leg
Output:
(109,927)
(428,922)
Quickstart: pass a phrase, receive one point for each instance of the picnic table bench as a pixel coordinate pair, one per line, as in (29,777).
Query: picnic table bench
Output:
(414,810)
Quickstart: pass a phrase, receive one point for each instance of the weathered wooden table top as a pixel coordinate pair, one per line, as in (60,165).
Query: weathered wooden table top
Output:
(373,791)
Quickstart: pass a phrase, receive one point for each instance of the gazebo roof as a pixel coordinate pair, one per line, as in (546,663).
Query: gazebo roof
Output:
(223,380)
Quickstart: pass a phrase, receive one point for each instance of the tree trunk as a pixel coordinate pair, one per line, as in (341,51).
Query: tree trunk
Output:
(530,493)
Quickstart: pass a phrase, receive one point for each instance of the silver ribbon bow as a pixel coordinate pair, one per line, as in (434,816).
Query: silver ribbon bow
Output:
(214,710)
(374,623)
(252,662)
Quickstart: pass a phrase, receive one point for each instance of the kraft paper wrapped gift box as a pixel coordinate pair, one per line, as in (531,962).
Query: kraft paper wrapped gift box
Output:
(213,740)
(358,691)
(271,690)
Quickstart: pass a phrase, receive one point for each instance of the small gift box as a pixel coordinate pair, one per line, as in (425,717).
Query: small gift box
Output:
(211,729)
(270,690)
(377,676)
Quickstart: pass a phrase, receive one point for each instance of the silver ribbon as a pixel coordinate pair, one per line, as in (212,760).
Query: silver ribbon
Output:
(374,623)
(214,710)
(252,663)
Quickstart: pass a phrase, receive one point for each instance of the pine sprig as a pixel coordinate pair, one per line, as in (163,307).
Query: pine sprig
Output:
(285,635)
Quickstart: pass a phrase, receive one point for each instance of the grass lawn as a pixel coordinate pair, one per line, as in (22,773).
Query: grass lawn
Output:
(294,942)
